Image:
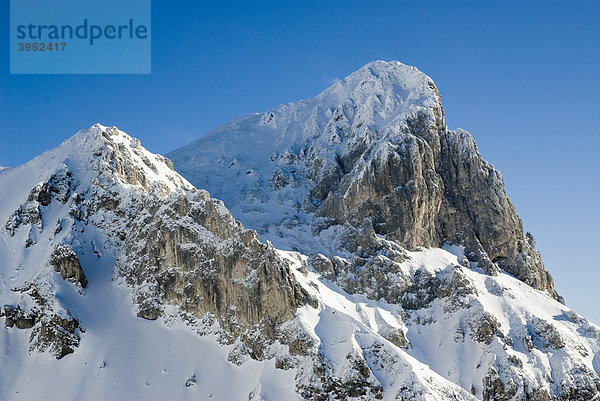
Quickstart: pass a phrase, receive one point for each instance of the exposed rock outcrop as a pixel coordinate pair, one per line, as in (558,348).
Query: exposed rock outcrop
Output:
(54,330)
(65,261)
(187,250)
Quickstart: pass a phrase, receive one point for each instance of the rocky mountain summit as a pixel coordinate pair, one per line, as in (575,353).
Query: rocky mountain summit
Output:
(367,161)
(111,198)
(387,263)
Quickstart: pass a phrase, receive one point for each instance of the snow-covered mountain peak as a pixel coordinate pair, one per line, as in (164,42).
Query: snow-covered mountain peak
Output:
(364,180)
(96,177)
(371,154)
(368,109)
(72,208)
(97,156)
(114,156)
(365,103)
(386,81)
(371,102)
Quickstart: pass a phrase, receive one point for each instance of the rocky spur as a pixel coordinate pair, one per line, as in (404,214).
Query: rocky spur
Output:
(85,31)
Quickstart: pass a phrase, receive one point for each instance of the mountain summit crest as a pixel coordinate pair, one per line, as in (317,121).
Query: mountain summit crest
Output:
(371,154)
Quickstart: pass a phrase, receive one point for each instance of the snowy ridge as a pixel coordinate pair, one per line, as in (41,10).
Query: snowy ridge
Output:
(345,325)
(75,154)
(541,341)
(80,191)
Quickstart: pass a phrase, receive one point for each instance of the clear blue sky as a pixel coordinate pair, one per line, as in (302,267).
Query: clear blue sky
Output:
(523,77)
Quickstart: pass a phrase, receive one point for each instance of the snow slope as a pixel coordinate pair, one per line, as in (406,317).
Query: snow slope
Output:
(442,336)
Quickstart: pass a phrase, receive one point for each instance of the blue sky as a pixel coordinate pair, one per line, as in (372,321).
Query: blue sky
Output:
(523,77)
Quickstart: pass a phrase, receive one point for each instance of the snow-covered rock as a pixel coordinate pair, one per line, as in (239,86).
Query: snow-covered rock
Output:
(369,159)
(414,280)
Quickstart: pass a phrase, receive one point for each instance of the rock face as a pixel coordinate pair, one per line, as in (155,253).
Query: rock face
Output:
(187,250)
(477,214)
(65,261)
(370,158)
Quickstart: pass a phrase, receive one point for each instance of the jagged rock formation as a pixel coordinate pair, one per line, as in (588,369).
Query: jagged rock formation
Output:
(65,261)
(187,250)
(370,157)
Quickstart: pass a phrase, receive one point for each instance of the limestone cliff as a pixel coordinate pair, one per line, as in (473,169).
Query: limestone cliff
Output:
(367,162)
